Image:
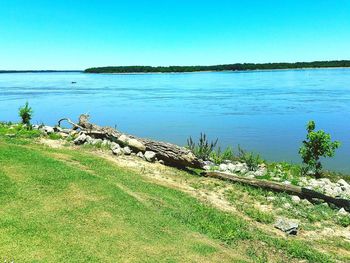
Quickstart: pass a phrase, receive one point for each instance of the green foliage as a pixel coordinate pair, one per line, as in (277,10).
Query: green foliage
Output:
(252,160)
(203,148)
(17,131)
(317,144)
(217,156)
(55,136)
(26,113)
(343,221)
(228,67)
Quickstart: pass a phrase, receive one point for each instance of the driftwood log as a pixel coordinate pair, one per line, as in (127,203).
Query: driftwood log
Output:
(171,154)
(279,187)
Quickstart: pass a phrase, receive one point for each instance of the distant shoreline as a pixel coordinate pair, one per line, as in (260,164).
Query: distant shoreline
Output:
(214,71)
(39,71)
(220,68)
(150,73)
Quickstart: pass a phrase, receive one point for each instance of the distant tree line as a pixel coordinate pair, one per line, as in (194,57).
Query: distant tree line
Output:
(37,71)
(227,67)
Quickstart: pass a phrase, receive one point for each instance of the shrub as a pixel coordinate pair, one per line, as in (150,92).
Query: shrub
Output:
(218,157)
(252,160)
(317,144)
(26,113)
(203,148)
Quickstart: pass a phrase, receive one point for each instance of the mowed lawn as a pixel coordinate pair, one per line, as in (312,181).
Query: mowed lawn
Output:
(63,205)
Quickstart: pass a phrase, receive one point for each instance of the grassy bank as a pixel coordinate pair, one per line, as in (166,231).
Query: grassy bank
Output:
(75,204)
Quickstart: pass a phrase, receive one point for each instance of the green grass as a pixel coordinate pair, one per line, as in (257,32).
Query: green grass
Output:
(62,205)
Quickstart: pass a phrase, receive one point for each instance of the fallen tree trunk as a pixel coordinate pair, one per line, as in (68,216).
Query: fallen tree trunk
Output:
(171,154)
(279,187)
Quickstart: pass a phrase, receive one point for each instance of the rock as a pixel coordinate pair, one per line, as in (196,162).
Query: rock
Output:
(207,167)
(132,143)
(114,145)
(96,141)
(150,156)
(342,212)
(244,170)
(47,129)
(63,134)
(325,204)
(223,167)
(161,162)
(231,167)
(295,199)
(260,172)
(117,151)
(305,202)
(81,139)
(342,182)
(288,226)
(210,163)
(250,175)
(286,182)
(287,205)
(127,150)
(140,154)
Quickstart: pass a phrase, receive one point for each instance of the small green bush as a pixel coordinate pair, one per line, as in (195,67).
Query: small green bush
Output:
(26,113)
(218,157)
(203,148)
(252,160)
(317,144)
(343,221)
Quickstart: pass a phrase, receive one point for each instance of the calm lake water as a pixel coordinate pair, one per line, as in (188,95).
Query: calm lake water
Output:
(263,111)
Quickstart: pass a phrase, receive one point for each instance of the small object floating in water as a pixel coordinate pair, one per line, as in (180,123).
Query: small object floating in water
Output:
(73,82)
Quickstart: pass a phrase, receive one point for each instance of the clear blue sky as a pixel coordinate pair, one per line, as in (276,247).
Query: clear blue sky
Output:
(75,34)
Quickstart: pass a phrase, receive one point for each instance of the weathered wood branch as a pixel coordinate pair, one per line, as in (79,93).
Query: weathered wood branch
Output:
(171,154)
(279,187)
(75,126)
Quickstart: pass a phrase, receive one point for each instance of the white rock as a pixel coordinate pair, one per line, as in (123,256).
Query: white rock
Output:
(150,156)
(231,167)
(47,129)
(342,182)
(96,141)
(114,145)
(207,167)
(270,198)
(295,199)
(223,167)
(117,151)
(261,172)
(342,212)
(81,139)
(127,150)
(287,205)
(140,154)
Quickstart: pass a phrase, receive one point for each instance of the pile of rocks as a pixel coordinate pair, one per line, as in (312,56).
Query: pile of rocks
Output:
(117,149)
(239,168)
(339,189)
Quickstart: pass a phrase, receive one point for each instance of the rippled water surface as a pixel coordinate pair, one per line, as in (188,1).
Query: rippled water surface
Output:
(263,111)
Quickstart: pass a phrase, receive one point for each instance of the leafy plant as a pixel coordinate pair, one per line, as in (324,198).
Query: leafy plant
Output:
(26,112)
(317,144)
(203,148)
(252,160)
(218,156)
